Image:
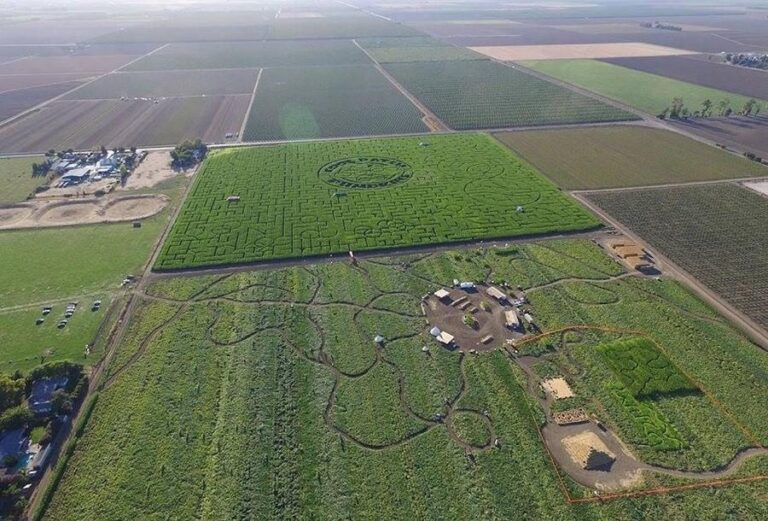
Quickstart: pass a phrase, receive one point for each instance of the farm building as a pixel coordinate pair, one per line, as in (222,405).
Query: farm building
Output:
(442,294)
(496,293)
(589,451)
(13,443)
(511,319)
(441,336)
(76,175)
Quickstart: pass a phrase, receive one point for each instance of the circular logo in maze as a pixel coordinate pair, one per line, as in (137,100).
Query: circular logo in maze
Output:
(366,172)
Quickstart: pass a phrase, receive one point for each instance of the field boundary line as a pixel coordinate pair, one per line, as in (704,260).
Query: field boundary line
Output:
(37,107)
(663,490)
(250,106)
(754,331)
(439,123)
(735,180)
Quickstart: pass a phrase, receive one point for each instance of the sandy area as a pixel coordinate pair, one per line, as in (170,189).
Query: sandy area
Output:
(153,170)
(575,51)
(758,186)
(105,185)
(68,212)
(558,388)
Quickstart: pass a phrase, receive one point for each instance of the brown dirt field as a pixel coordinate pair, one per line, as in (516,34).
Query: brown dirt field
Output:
(575,51)
(739,133)
(88,124)
(25,81)
(70,212)
(153,170)
(699,70)
(65,64)
(17,101)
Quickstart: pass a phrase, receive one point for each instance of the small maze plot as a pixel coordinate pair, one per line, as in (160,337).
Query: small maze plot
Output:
(305,199)
(645,370)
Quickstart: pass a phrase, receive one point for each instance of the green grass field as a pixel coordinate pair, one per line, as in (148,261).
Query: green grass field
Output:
(485,94)
(266,394)
(332,197)
(16,181)
(624,156)
(231,55)
(23,344)
(647,92)
(320,102)
(57,263)
(169,83)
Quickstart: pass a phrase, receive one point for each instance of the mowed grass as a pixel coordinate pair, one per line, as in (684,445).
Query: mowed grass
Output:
(625,156)
(169,83)
(16,181)
(56,263)
(320,102)
(484,94)
(447,188)
(641,90)
(231,55)
(24,344)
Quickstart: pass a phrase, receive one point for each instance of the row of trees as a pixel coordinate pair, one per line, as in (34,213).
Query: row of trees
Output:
(678,110)
(188,153)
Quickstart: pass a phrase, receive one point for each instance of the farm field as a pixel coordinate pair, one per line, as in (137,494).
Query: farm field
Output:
(739,80)
(740,133)
(16,181)
(394,50)
(272,29)
(16,101)
(169,84)
(483,94)
(24,345)
(647,92)
(89,124)
(315,102)
(264,390)
(72,261)
(625,156)
(575,51)
(13,82)
(231,55)
(716,233)
(333,197)
(65,64)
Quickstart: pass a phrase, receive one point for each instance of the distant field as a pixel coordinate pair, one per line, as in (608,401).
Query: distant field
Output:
(393,50)
(715,233)
(169,83)
(89,124)
(16,181)
(575,51)
(740,80)
(9,82)
(17,101)
(62,262)
(484,94)
(312,102)
(333,197)
(230,55)
(24,344)
(623,156)
(646,92)
(271,29)
(65,64)
(741,133)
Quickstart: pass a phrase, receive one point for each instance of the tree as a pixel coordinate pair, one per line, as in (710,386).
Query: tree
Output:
(188,153)
(706,108)
(123,174)
(103,150)
(663,114)
(677,108)
(723,106)
(749,106)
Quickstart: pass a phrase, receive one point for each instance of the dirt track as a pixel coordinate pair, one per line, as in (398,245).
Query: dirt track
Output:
(69,212)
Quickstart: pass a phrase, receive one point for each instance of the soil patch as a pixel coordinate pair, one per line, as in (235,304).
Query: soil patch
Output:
(153,170)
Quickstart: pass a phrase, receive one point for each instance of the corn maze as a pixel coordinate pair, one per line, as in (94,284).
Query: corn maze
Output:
(305,199)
